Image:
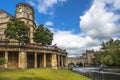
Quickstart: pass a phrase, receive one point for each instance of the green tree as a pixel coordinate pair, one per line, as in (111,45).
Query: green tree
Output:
(2,61)
(48,36)
(18,30)
(43,35)
(109,53)
(97,58)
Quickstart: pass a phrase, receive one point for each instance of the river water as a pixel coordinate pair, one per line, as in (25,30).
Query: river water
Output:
(96,74)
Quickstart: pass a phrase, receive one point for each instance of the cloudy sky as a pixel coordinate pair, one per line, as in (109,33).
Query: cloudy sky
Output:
(77,25)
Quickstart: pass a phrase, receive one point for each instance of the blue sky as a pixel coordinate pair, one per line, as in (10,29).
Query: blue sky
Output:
(77,24)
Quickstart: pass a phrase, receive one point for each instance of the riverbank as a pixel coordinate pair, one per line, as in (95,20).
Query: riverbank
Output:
(95,73)
(112,69)
(40,74)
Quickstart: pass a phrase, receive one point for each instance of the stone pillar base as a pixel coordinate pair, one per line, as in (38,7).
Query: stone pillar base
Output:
(54,67)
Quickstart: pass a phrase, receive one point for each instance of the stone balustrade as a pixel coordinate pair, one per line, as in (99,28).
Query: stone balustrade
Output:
(7,44)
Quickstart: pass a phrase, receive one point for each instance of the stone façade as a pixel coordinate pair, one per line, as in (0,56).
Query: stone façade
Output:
(31,55)
(85,59)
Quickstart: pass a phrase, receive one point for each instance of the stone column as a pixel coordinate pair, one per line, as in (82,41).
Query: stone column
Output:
(58,60)
(22,60)
(44,64)
(64,61)
(61,61)
(6,58)
(54,61)
(35,59)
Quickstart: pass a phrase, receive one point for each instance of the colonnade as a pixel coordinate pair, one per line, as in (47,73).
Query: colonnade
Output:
(24,59)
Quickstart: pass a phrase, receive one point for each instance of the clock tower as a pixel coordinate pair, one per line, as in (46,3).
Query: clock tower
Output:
(25,13)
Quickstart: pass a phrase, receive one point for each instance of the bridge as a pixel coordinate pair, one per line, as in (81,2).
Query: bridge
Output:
(84,60)
(74,61)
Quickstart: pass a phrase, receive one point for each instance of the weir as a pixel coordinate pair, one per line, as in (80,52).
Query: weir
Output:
(95,73)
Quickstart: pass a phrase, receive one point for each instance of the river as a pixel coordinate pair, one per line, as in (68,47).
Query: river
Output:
(95,73)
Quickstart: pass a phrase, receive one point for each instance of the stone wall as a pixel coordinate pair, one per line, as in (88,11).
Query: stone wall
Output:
(85,59)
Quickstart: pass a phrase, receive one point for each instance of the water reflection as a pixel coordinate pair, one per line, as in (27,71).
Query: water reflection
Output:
(95,73)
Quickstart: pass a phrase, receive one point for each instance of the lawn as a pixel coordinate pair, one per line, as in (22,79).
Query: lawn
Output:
(40,74)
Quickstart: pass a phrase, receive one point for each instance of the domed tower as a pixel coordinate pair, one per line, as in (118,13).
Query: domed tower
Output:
(26,13)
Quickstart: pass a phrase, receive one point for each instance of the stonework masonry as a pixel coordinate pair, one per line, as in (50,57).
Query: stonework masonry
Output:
(18,55)
(85,59)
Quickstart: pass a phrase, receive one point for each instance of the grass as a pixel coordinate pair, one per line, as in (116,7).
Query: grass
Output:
(40,74)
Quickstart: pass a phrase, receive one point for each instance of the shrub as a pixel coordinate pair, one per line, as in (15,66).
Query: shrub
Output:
(2,61)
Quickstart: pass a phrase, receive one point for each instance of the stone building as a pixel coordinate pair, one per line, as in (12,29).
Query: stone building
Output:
(84,60)
(31,55)
(87,57)
(4,18)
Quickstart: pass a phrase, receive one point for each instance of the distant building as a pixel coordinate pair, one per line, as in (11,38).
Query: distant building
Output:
(28,55)
(84,60)
(87,57)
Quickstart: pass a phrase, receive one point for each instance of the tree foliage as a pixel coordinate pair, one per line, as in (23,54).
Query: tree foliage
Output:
(43,35)
(17,30)
(2,61)
(109,53)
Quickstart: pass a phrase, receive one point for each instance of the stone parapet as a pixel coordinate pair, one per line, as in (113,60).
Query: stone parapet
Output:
(15,46)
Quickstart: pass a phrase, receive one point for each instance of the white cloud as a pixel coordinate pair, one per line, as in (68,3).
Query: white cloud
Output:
(49,23)
(31,3)
(75,44)
(100,23)
(46,6)
(115,3)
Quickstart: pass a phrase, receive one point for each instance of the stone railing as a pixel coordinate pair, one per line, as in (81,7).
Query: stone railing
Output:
(12,44)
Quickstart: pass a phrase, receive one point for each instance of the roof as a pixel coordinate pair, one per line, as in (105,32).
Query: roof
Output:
(1,10)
